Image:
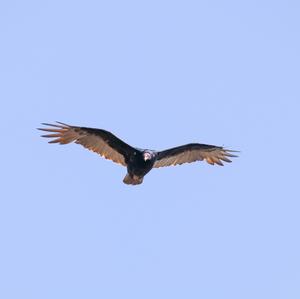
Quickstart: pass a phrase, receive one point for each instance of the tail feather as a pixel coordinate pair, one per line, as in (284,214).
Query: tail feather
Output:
(132,180)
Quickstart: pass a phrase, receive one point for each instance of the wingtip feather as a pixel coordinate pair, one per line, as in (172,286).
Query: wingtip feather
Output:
(65,125)
(54,141)
(52,125)
(228,153)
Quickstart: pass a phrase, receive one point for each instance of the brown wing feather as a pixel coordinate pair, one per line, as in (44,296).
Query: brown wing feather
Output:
(193,152)
(99,141)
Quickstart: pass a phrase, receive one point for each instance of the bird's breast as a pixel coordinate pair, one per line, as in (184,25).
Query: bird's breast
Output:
(138,166)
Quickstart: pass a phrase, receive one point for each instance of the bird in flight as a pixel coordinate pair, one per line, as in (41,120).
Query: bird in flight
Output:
(138,161)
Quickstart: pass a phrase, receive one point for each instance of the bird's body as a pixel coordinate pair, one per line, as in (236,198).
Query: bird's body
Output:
(138,161)
(138,166)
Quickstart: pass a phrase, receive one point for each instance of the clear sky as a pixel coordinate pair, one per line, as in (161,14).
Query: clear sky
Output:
(157,74)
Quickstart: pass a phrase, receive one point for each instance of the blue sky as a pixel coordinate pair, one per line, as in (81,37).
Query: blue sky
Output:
(157,74)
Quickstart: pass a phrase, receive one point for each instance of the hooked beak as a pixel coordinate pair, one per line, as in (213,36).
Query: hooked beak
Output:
(147,156)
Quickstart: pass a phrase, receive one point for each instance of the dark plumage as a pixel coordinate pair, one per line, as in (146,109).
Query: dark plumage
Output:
(138,161)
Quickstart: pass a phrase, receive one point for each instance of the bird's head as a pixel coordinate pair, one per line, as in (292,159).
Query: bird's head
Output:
(148,155)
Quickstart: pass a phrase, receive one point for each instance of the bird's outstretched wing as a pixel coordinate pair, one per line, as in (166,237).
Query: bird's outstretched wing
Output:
(99,141)
(193,152)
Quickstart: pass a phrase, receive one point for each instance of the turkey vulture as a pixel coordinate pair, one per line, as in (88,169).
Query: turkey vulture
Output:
(138,161)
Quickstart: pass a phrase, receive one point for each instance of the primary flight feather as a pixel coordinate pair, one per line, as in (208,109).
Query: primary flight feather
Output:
(138,161)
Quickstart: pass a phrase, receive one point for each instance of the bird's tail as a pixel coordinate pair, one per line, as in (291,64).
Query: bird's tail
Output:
(132,180)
